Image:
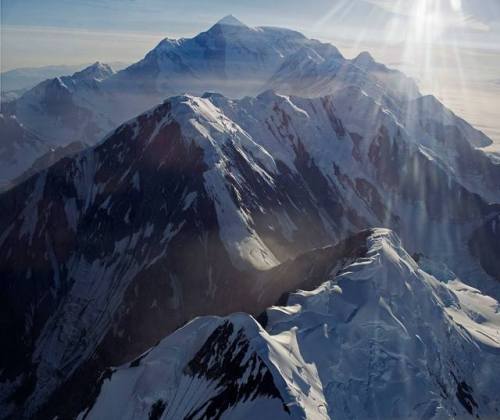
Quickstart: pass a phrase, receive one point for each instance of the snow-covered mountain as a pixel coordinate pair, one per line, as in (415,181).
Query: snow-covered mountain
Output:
(192,208)
(46,160)
(229,58)
(320,70)
(24,78)
(385,338)
(65,109)
(205,205)
(18,149)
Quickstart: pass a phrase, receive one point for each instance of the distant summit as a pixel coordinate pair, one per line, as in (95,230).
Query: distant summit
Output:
(230,20)
(364,58)
(203,206)
(97,71)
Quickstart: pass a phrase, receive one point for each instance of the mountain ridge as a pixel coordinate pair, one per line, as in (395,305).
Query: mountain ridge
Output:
(235,186)
(310,371)
(236,62)
(247,54)
(207,205)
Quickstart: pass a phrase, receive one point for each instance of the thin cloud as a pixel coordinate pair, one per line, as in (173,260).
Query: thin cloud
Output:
(469,14)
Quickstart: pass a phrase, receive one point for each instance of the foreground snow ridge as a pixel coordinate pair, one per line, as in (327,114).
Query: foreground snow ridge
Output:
(384,339)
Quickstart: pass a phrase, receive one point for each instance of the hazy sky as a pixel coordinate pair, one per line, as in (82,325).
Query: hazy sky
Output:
(452,47)
(40,32)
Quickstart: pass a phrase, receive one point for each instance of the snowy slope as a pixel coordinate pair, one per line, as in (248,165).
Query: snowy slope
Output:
(188,208)
(22,79)
(230,58)
(319,71)
(96,228)
(382,339)
(202,194)
(211,367)
(18,149)
(68,108)
(397,341)
(48,159)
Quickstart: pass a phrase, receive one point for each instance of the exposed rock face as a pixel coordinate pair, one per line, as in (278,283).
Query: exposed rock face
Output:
(198,205)
(381,339)
(229,58)
(103,251)
(18,149)
(233,59)
(46,160)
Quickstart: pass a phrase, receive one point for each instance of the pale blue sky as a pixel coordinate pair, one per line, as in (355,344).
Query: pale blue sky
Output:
(451,47)
(36,32)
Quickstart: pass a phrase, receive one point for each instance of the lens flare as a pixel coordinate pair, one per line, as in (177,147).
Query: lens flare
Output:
(445,45)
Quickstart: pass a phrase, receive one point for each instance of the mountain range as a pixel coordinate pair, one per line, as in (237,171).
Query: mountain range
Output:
(230,58)
(360,346)
(19,80)
(347,220)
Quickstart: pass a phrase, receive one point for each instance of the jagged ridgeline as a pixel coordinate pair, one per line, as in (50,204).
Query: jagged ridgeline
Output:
(383,339)
(207,205)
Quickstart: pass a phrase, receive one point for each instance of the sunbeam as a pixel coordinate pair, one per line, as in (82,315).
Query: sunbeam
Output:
(445,45)
(268,209)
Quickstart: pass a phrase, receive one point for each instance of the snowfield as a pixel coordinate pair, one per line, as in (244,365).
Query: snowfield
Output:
(209,203)
(383,339)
